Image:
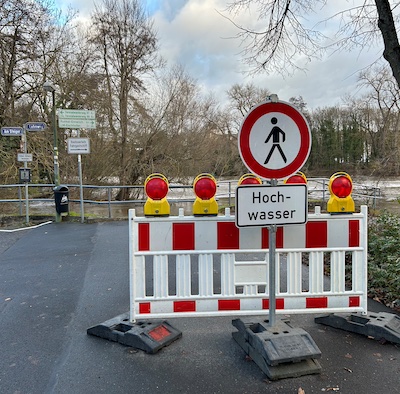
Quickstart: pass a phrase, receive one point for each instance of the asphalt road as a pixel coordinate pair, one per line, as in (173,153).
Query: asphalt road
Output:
(60,279)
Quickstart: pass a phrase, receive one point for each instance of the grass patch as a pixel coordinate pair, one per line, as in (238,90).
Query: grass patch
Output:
(87,215)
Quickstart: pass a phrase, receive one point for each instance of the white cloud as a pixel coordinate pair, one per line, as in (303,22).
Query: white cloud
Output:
(194,34)
(198,37)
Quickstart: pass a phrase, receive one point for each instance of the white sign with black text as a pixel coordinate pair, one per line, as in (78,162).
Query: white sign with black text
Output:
(78,146)
(263,205)
(24,156)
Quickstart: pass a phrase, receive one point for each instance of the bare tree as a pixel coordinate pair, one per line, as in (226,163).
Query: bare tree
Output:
(381,120)
(175,133)
(31,37)
(241,99)
(288,34)
(227,122)
(24,26)
(127,46)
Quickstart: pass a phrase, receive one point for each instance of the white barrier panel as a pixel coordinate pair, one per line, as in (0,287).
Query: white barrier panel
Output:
(174,270)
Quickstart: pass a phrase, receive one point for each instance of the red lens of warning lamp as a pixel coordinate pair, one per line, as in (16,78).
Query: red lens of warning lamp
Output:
(205,186)
(156,188)
(340,186)
(249,179)
(297,178)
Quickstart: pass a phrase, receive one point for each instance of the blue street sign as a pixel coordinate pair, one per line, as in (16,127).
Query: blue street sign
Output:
(12,131)
(35,126)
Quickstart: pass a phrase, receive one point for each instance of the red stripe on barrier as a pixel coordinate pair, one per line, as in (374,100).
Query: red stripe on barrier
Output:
(279,303)
(144,236)
(317,302)
(144,307)
(227,235)
(229,305)
(183,236)
(354,301)
(279,237)
(317,234)
(185,306)
(265,238)
(354,233)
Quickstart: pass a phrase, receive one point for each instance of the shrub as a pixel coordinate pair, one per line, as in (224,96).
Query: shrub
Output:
(384,258)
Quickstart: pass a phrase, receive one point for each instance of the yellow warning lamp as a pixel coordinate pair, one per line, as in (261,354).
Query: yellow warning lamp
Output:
(249,179)
(340,186)
(156,188)
(205,187)
(297,178)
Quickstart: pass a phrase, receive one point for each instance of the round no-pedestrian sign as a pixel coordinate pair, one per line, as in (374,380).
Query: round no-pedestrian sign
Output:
(274,140)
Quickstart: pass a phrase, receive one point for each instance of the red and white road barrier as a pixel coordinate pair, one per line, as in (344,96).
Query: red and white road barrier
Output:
(174,272)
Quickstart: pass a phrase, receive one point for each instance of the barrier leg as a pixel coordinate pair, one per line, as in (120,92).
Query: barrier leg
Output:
(149,335)
(381,326)
(280,351)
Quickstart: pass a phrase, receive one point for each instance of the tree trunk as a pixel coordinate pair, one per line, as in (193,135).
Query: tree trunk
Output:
(388,29)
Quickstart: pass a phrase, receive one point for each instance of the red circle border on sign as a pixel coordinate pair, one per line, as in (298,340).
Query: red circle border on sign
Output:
(244,140)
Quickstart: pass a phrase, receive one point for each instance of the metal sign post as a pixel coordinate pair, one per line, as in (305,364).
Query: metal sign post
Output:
(23,137)
(272,268)
(274,143)
(81,188)
(269,206)
(79,146)
(78,119)
(16,131)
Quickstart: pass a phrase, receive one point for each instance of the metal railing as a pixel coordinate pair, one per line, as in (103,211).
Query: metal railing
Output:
(105,195)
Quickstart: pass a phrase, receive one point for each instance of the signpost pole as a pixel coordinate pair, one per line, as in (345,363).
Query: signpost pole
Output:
(80,183)
(272,269)
(26,183)
(48,87)
(288,144)
(55,148)
(274,142)
(272,289)
(79,146)
(77,119)
(81,187)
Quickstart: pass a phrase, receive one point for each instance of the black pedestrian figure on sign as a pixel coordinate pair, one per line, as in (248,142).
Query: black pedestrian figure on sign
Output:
(275,134)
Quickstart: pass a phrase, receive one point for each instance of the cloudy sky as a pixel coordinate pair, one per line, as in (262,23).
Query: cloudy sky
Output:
(193,33)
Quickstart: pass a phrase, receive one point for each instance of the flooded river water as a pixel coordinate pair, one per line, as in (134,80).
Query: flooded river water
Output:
(378,194)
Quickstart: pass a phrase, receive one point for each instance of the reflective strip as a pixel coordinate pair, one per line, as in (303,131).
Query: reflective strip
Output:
(184,306)
(354,233)
(224,235)
(316,235)
(317,302)
(183,236)
(243,304)
(144,236)
(228,235)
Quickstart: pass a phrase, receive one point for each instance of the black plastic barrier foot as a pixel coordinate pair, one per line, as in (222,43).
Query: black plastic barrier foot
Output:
(381,326)
(147,335)
(280,351)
